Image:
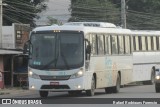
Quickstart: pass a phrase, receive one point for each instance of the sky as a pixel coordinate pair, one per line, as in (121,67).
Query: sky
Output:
(58,9)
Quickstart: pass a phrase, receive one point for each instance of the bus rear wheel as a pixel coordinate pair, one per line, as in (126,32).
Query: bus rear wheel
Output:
(91,91)
(43,93)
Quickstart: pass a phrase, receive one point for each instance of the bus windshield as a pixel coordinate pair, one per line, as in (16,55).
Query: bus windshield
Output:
(56,51)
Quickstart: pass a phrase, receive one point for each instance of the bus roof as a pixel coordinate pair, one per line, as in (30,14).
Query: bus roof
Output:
(103,28)
(95,27)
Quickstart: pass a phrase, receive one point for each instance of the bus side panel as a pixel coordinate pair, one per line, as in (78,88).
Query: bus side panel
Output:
(123,64)
(143,62)
(107,67)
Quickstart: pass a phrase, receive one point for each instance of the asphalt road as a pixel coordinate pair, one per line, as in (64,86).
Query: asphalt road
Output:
(138,91)
(141,91)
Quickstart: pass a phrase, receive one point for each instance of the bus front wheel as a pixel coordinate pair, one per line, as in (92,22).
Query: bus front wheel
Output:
(91,91)
(43,93)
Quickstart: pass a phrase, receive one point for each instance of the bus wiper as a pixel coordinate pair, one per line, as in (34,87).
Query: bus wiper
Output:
(52,61)
(65,61)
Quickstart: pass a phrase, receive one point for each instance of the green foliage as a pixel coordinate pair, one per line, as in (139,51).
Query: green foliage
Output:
(142,14)
(52,21)
(94,10)
(22,11)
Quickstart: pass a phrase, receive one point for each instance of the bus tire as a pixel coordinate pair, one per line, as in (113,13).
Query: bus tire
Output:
(157,87)
(91,91)
(43,94)
(118,84)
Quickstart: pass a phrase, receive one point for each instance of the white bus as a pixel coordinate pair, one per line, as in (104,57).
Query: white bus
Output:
(84,56)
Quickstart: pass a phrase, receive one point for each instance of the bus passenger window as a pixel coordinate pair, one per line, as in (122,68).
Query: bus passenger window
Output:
(157,42)
(146,43)
(114,45)
(137,43)
(154,43)
(121,44)
(149,43)
(140,42)
(143,43)
(108,44)
(100,44)
(127,45)
(93,40)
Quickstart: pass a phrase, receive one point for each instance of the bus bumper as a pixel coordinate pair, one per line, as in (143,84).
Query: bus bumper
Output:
(67,85)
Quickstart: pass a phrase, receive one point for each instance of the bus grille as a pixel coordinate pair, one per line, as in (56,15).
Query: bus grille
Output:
(55,87)
(46,77)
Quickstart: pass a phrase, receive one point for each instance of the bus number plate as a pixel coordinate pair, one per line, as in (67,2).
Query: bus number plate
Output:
(54,83)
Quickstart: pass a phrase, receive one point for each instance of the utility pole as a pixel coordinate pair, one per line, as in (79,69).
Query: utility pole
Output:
(123,13)
(1,23)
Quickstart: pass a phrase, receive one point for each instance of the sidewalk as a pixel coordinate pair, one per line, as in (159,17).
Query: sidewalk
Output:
(15,91)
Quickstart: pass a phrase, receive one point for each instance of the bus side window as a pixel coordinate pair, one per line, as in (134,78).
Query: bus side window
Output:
(154,43)
(127,45)
(137,43)
(146,43)
(93,40)
(149,43)
(157,42)
(134,43)
(140,43)
(108,44)
(100,44)
(114,45)
(121,44)
(143,43)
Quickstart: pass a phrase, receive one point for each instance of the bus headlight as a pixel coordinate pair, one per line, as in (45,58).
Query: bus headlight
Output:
(158,77)
(33,75)
(78,74)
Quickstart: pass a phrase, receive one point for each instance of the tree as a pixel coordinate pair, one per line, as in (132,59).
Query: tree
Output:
(52,21)
(142,14)
(94,10)
(22,11)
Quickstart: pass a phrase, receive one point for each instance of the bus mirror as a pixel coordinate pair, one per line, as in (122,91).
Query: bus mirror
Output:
(88,49)
(26,47)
